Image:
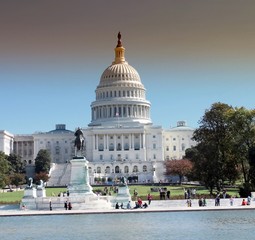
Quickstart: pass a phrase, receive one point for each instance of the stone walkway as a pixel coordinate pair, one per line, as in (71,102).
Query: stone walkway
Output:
(156,206)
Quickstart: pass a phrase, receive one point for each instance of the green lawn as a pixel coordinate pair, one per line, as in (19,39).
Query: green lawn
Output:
(177,192)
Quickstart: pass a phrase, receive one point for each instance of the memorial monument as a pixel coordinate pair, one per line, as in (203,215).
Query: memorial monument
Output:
(79,182)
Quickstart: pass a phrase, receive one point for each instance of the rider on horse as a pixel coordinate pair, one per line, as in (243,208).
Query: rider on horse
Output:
(79,140)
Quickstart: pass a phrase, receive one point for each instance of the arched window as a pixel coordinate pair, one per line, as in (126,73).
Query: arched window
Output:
(117,169)
(111,147)
(137,146)
(90,170)
(135,169)
(126,146)
(98,169)
(101,147)
(107,169)
(118,147)
(144,168)
(126,169)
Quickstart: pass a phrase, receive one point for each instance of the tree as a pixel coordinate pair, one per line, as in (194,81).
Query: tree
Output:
(17,166)
(42,161)
(213,161)
(17,179)
(180,167)
(41,176)
(241,122)
(4,170)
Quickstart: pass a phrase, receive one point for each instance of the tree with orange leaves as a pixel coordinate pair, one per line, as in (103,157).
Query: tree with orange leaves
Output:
(180,167)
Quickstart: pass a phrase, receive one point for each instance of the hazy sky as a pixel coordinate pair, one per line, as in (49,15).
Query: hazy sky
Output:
(189,54)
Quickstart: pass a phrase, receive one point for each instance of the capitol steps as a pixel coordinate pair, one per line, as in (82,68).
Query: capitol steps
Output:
(60,175)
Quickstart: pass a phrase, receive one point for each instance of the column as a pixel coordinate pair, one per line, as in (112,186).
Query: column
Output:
(122,142)
(115,141)
(144,144)
(97,141)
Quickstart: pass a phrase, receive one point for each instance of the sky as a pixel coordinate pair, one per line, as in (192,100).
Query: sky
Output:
(188,53)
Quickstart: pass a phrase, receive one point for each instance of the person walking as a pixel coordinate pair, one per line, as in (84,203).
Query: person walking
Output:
(70,206)
(65,205)
(149,198)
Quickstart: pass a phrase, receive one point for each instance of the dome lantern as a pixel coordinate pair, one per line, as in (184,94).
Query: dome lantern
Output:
(119,52)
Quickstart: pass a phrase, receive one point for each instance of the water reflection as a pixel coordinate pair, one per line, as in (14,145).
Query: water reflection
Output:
(170,225)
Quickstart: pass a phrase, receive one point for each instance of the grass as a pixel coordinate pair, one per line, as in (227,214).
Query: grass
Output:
(11,197)
(177,192)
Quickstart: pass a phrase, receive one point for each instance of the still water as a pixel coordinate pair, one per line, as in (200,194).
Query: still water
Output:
(147,226)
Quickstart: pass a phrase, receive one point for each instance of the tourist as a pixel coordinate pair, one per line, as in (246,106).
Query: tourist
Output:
(204,202)
(121,206)
(135,193)
(65,205)
(23,207)
(224,193)
(149,198)
(136,205)
(168,194)
(70,206)
(188,194)
(244,202)
(189,202)
(117,205)
(185,194)
(128,205)
(145,205)
(193,192)
(50,206)
(140,202)
(200,202)
(231,201)
(217,200)
(248,200)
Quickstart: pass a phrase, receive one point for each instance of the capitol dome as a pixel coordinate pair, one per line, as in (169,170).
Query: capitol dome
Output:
(120,73)
(120,95)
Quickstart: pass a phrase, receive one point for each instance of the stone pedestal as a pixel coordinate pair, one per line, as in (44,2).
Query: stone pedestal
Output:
(29,199)
(123,195)
(30,193)
(79,183)
(41,192)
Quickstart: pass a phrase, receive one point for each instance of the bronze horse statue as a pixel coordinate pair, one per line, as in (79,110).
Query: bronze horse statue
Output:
(79,140)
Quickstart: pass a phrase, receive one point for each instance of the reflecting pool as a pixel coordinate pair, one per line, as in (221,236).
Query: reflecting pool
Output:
(204,225)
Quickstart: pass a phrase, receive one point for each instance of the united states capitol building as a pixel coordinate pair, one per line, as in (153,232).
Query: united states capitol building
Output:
(120,140)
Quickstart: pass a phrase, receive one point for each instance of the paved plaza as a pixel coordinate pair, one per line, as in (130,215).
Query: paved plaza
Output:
(156,206)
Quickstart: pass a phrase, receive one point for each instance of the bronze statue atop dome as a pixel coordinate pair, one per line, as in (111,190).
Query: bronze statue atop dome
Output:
(119,40)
